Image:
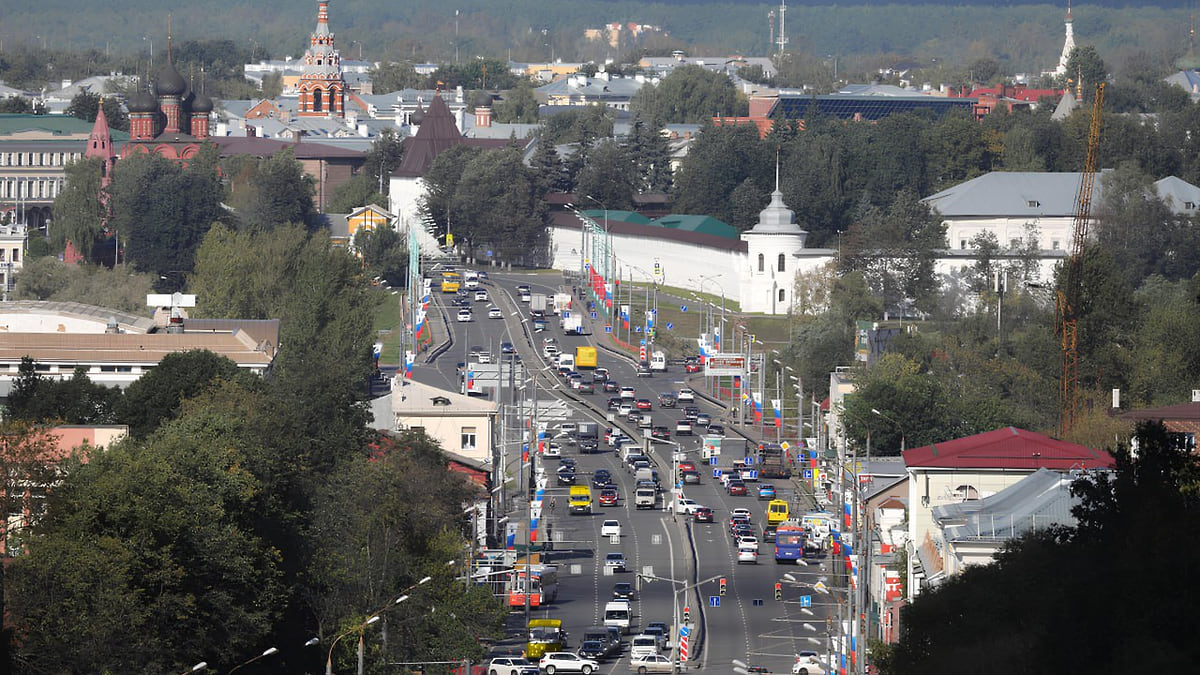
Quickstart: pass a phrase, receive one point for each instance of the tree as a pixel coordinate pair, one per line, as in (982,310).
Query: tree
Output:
(275,191)
(387,151)
(272,85)
(15,105)
(79,212)
(162,211)
(651,154)
(438,206)
(720,160)
(579,125)
(392,76)
(519,105)
(48,278)
(158,396)
(41,400)
(1085,66)
(609,176)
(358,191)
(501,207)
(551,173)
(690,94)
(895,250)
(84,106)
(385,253)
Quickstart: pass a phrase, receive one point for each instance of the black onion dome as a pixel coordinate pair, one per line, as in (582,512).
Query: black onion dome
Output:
(169,82)
(418,116)
(483,100)
(202,104)
(142,102)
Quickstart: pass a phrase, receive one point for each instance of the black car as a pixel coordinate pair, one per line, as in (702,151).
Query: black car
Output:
(666,400)
(643,370)
(568,462)
(661,433)
(601,478)
(623,590)
(614,402)
(611,386)
(593,649)
(716,430)
(588,446)
(566,476)
(506,348)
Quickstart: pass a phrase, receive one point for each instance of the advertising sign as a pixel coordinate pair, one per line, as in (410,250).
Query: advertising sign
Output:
(725,364)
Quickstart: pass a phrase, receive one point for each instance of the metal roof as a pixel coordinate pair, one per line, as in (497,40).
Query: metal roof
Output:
(1041,499)
(1040,194)
(868,107)
(1007,448)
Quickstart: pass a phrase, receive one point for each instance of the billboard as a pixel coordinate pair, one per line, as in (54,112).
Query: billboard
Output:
(725,364)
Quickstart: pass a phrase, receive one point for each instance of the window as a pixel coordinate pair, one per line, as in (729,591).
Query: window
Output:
(962,243)
(1033,203)
(318,101)
(1014,243)
(468,438)
(782,262)
(1054,245)
(781,295)
(761,262)
(2,256)
(16,255)
(1189,205)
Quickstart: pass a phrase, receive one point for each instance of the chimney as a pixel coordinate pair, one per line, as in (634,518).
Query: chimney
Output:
(175,323)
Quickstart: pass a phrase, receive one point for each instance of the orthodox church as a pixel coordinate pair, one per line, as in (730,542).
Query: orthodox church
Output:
(170,119)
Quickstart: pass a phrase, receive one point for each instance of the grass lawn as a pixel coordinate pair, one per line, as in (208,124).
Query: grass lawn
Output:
(388,328)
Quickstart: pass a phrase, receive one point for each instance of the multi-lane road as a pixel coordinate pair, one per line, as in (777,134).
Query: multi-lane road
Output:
(747,623)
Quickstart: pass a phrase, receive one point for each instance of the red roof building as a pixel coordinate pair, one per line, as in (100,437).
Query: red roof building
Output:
(1183,418)
(1007,449)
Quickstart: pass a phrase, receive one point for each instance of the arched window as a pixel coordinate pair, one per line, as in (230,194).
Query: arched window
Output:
(761,262)
(781,295)
(781,263)
(318,100)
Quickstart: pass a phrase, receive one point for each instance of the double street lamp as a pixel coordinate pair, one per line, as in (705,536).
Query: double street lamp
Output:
(362,628)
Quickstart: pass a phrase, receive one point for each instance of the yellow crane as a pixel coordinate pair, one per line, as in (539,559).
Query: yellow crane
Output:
(1069,292)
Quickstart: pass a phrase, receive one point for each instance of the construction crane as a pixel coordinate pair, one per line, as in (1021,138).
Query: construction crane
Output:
(1069,293)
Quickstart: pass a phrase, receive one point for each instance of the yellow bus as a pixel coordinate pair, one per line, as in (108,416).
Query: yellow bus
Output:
(545,635)
(777,511)
(451,281)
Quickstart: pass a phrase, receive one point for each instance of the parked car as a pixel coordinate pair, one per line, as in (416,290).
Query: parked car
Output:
(566,662)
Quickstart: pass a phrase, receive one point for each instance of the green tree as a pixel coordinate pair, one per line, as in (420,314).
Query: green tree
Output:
(84,106)
(15,105)
(518,105)
(501,207)
(78,400)
(162,211)
(391,76)
(579,125)
(895,250)
(358,191)
(387,151)
(651,154)
(551,173)
(720,160)
(79,212)
(272,85)
(385,253)
(276,191)
(158,396)
(48,278)
(1085,66)
(690,94)
(609,176)
(438,207)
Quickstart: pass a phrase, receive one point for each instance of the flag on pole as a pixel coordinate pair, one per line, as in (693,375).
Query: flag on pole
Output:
(775,403)
(409,358)
(758,410)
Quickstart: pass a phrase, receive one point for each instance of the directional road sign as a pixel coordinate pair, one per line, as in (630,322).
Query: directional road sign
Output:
(714,601)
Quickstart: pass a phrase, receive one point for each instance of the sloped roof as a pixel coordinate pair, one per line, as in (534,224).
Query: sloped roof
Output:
(1007,448)
(699,224)
(55,125)
(437,133)
(1038,194)
(267,147)
(1177,193)
(415,399)
(1170,413)
(1066,105)
(1041,499)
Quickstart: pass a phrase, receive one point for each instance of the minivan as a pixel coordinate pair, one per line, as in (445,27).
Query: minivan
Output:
(618,613)
(642,646)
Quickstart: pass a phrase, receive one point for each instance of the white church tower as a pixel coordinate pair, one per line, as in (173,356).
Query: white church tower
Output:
(1068,45)
(768,279)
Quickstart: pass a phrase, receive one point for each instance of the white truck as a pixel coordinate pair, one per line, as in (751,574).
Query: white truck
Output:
(538,303)
(658,362)
(562,301)
(572,325)
(645,497)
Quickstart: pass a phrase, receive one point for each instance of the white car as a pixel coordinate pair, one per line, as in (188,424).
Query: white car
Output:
(652,663)
(747,555)
(509,665)
(629,393)
(685,395)
(625,409)
(610,528)
(464,315)
(495,313)
(552,450)
(807,665)
(747,542)
(550,352)
(566,662)
(740,512)
(481,296)
(687,506)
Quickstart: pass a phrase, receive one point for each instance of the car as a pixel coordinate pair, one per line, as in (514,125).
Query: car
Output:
(651,663)
(690,477)
(566,477)
(686,465)
(736,489)
(464,315)
(643,370)
(691,412)
(522,288)
(666,400)
(642,646)
(610,528)
(768,533)
(716,430)
(507,348)
(553,450)
(747,555)
(658,629)
(629,393)
(568,461)
(748,542)
(549,340)
(609,497)
(537,314)
(741,512)
(736,519)
(593,649)
(692,368)
(588,446)
(703,515)
(703,420)
(509,665)
(742,530)
(661,433)
(585,387)
(615,561)
(611,386)
(540,325)
(683,428)
(600,375)
(495,313)
(625,409)
(614,402)
(550,351)
(526,298)
(633,416)
(645,421)
(687,506)
(481,295)
(643,404)
(623,590)
(566,662)
(685,395)
(807,665)
(766,491)
(758,670)
(601,478)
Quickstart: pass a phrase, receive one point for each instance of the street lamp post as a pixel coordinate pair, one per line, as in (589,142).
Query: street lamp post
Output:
(265,654)
(675,602)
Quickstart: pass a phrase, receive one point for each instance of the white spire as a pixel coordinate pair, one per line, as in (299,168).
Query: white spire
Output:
(1068,44)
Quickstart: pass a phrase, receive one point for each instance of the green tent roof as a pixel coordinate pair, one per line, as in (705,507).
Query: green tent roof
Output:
(700,224)
(58,125)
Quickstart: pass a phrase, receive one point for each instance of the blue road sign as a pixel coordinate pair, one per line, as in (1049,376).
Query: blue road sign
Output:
(806,601)
(713,461)
(714,601)
(716,472)
(683,308)
(670,326)
(638,329)
(749,460)
(593,315)
(757,602)
(608,329)
(808,474)
(685,631)
(566,314)
(489,253)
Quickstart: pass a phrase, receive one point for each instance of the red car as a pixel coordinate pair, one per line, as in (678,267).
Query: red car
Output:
(609,497)
(703,514)
(644,404)
(693,368)
(687,466)
(737,489)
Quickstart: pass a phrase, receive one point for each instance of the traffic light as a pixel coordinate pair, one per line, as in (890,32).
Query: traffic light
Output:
(687,614)
(778,591)
(722,585)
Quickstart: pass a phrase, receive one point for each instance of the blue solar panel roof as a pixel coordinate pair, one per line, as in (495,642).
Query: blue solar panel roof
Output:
(869,108)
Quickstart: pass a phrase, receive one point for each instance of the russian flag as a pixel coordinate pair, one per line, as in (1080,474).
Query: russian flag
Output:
(778,412)
(470,379)
(758,411)
(717,338)
(409,357)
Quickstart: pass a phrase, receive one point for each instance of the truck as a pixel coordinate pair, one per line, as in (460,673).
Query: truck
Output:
(538,302)
(585,357)
(588,431)
(644,497)
(658,362)
(772,462)
(572,325)
(580,501)
(562,302)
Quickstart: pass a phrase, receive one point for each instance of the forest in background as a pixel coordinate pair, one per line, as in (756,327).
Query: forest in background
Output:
(1022,38)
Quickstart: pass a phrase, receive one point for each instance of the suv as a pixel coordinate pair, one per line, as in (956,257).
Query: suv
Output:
(567,662)
(666,400)
(703,514)
(643,370)
(510,665)
(615,561)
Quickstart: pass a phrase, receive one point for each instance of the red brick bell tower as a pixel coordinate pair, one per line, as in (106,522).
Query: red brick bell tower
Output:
(322,88)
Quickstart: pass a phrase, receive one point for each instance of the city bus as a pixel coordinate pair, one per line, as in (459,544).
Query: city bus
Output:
(451,282)
(789,543)
(777,511)
(545,635)
(543,587)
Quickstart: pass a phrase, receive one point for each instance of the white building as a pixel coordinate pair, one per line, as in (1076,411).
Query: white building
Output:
(460,424)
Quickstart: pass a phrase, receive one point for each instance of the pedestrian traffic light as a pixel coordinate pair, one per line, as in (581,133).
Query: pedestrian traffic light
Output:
(687,614)
(778,591)
(722,585)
